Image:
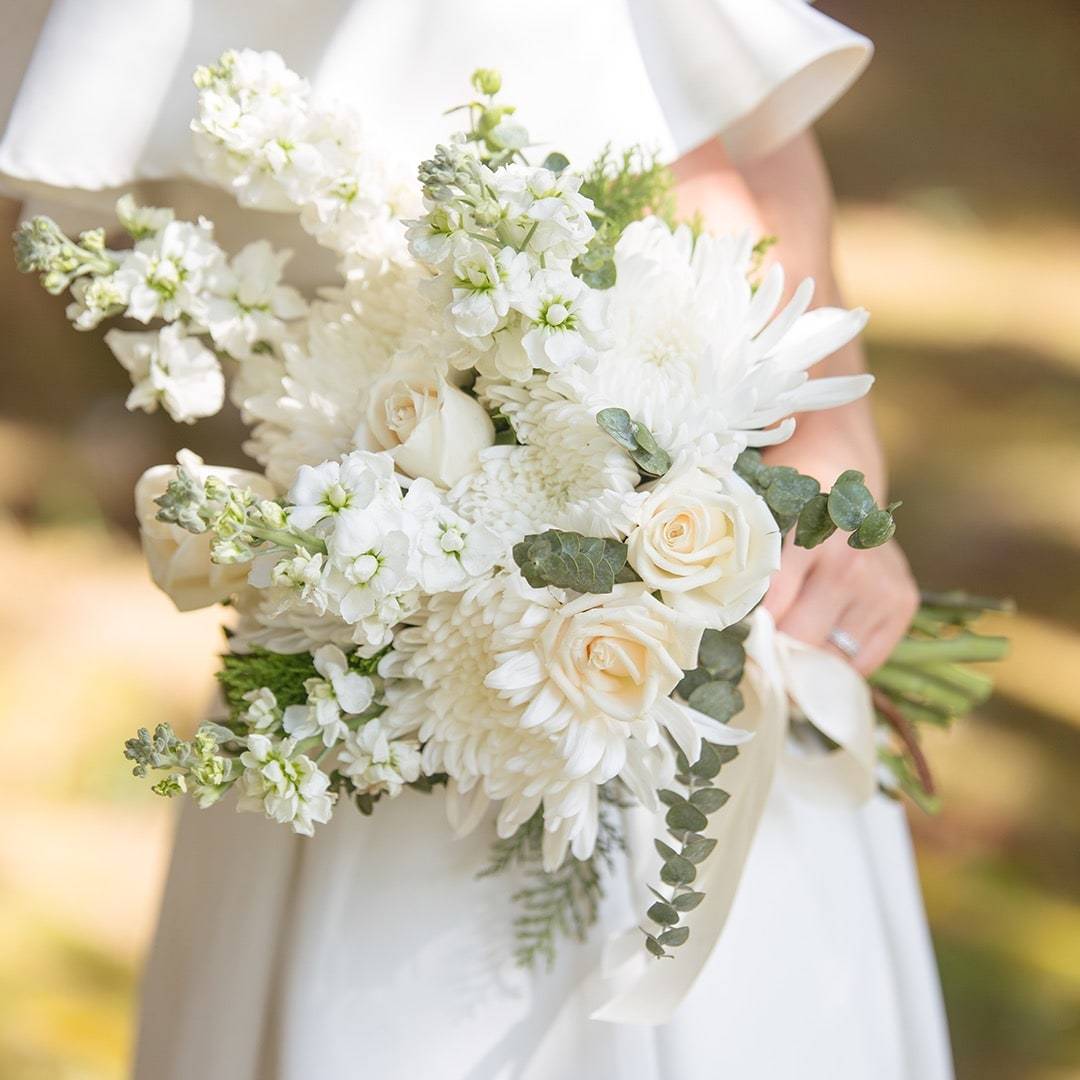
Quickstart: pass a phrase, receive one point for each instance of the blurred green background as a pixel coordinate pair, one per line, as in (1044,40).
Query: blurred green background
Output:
(958,171)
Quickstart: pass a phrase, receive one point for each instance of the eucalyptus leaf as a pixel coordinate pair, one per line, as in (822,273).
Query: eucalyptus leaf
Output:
(699,849)
(815,526)
(663,914)
(718,699)
(674,937)
(636,439)
(708,800)
(654,946)
(876,529)
(708,764)
(691,680)
(666,852)
(687,901)
(669,797)
(722,654)
(556,162)
(849,501)
(789,491)
(619,425)
(678,871)
(566,560)
(686,818)
(750,465)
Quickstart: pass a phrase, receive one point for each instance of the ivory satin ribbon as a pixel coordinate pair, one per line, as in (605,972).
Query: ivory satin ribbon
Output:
(631,986)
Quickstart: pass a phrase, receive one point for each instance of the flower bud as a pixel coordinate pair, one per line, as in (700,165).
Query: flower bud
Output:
(486,81)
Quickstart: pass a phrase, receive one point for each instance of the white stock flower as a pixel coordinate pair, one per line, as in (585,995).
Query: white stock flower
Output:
(262,712)
(247,303)
(449,552)
(377,763)
(95,298)
(335,488)
(179,560)
(164,275)
(370,557)
(708,543)
(430,427)
(546,211)
(339,691)
(142,221)
(696,353)
(564,321)
(287,787)
(484,286)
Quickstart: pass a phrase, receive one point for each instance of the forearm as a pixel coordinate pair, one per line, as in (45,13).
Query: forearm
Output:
(788,194)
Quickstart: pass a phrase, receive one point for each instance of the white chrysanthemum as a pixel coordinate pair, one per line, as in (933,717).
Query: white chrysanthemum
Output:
(524,700)
(698,353)
(571,475)
(306,407)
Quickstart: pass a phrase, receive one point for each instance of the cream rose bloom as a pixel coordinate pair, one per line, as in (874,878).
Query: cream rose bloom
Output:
(430,427)
(708,543)
(179,560)
(614,655)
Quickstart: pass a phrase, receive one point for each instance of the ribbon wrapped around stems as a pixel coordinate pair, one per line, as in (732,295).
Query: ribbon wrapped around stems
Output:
(781,673)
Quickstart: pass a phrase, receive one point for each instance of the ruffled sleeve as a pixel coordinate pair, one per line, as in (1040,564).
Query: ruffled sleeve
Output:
(753,72)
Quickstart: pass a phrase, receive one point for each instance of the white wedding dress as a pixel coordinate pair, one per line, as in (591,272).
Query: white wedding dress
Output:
(372,949)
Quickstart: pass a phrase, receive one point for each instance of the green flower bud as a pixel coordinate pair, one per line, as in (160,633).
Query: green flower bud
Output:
(486,81)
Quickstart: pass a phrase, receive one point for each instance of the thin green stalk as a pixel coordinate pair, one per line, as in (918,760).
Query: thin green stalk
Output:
(923,689)
(963,648)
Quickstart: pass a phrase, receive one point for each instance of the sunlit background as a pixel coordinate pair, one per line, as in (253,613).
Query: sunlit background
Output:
(958,169)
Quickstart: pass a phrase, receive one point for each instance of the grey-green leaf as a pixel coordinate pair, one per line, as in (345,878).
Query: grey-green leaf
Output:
(586,564)
(654,946)
(708,800)
(619,425)
(718,699)
(666,852)
(687,901)
(849,501)
(700,848)
(674,937)
(678,871)
(686,818)
(876,529)
(789,491)
(556,162)
(815,526)
(664,914)
(722,654)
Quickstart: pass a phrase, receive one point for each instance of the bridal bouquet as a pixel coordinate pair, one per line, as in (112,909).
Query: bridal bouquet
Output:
(513,515)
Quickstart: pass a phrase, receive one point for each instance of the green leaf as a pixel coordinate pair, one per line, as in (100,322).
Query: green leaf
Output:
(601,276)
(709,800)
(850,501)
(556,162)
(815,526)
(789,491)
(663,914)
(678,871)
(675,936)
(876,529)
(708,764)
(692,680)
(665,851)
(725,753)
(670,798)
(687,901)
(686,818)
(566,560)
(700,848)
(654,946)
(718,699)
(722,654)
(750,465)
(636,439)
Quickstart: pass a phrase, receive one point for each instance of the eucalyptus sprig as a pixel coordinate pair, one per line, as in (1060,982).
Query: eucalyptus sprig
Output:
(712,688)
(797,501)
(568,560)
(637,440)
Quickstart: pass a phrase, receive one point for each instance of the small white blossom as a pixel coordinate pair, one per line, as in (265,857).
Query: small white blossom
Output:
(170,369)
(485,286)
(376,763)
(336,487)
(565,321)
(164,275)
(370,557)
(142,221)
(339,691)
(288,787)
(96,298)
(262,712)
(248,304)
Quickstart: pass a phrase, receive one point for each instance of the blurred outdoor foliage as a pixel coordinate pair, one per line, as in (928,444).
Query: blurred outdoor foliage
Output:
(958,171)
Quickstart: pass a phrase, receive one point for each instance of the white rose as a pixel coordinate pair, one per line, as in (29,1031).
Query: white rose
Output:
(708,543)
(617,654)
(431,428)
(179,560)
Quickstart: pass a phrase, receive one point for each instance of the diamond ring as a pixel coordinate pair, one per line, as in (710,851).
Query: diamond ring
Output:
(844,642)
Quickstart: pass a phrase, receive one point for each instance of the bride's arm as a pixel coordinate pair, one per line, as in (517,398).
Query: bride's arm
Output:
(869,594)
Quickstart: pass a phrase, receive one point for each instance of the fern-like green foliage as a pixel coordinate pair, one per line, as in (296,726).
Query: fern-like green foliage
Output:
(624,187)
(565,903)
(282,673)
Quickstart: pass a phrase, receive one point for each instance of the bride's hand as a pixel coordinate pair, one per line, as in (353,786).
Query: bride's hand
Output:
(869,596)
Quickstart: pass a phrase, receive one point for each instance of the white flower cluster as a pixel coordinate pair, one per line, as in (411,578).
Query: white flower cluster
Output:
(442,405)
(260,135)
(501,243)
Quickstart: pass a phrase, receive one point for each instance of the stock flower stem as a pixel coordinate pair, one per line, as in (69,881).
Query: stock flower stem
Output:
(964,648)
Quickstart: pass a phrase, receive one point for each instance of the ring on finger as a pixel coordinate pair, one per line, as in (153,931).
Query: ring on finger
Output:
(845,642)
